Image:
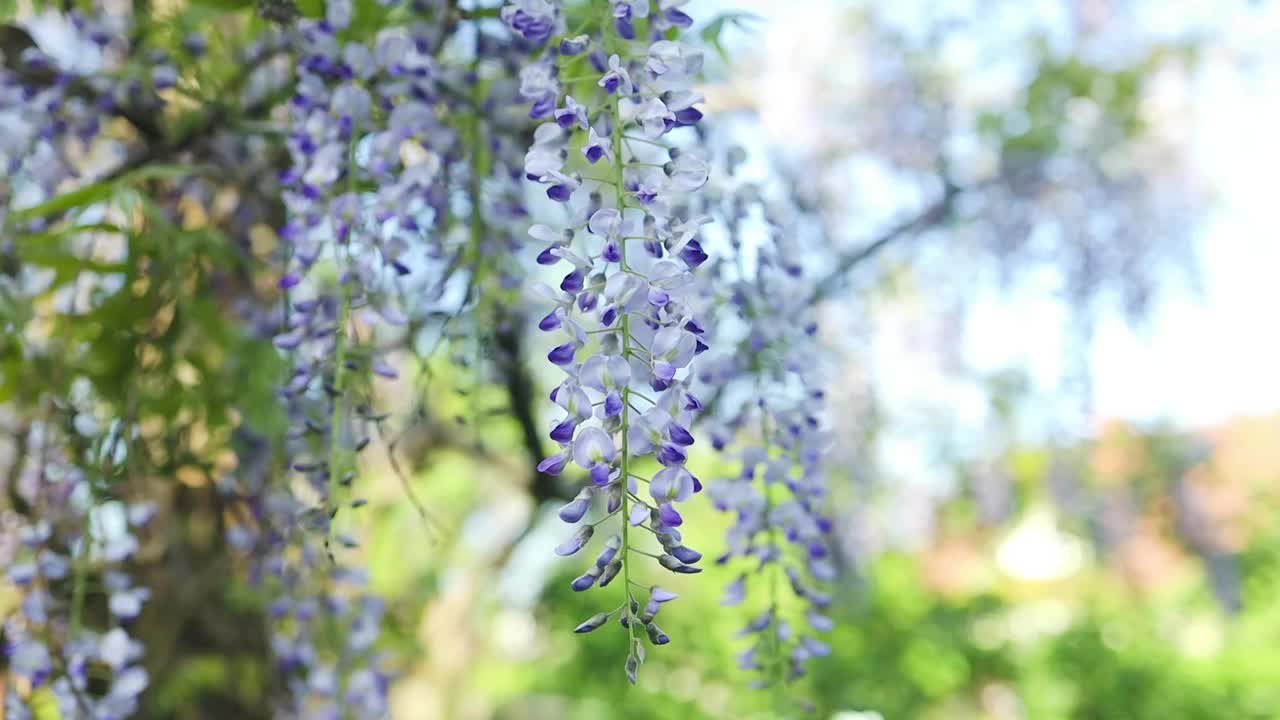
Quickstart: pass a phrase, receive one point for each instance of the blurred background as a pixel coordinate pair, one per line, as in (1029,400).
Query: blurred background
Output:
(1056,380)
(1050,318)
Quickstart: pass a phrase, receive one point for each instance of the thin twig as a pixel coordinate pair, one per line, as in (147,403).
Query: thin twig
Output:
(934,214)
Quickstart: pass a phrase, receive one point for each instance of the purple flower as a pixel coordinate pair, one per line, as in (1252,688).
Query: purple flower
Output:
(554,465)
(575,45)
(575,542)
(609,551)
(677,17)
(686,554)
(563,431)
(560,192)
(660,595)
(670,454)
(597,147)
(612,252)
(612,405)
(656,635)
(127,604)
(563,354)
(819,622)
(592,623)
(609,572)
(639,514)
(608,315)
(672,483)
(669,516)
(573,113)
(616,80)
(600,475)
(534,20)
(676,566)
(573,282)
(692,254)
(586,580)
(573,511)
(679,434)
(593,447)
(735,592)
(550,321)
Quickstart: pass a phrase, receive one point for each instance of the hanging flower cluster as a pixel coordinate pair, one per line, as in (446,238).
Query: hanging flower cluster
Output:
(781,443)
(52,109)
(382,135)
(62,540)
(51,648)
(408,166)
(626,306)
(776,500)
(358,195)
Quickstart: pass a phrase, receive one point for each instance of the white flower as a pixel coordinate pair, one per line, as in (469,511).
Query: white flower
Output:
(538,80)
(671,483)
(689,171)
(117,649)
(592,447)
(673,61)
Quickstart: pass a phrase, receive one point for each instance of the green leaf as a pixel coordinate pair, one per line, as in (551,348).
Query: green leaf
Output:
(87,195)
(311,8)
(67,265)
(161,171)
(711,33)
(369,17)
(228,5)
(104,189)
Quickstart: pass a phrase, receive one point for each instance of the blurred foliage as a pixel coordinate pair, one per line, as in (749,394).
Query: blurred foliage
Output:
(159,343)
(910,643)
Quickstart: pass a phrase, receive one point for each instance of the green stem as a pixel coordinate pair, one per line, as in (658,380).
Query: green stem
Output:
(477,227)
(777,663)
(479,13)
(106,452)
(337,464)
(626,353)
(81,572)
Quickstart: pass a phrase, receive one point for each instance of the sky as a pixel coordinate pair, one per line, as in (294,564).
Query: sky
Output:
(1210,358)
(1210,350)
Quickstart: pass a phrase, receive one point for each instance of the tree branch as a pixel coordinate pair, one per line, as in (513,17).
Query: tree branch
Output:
(934,214)
(520,390)
(212,121)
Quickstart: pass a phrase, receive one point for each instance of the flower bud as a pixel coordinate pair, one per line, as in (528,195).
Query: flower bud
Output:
(660,595)
(632,666)
(592,623)
(656,636)
(613,500)
(675,566)
(650,611)
(610,572)
(686,554)
(610,549)
(584,581)
(576,542)
(573,511)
